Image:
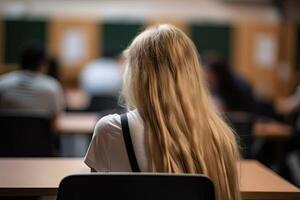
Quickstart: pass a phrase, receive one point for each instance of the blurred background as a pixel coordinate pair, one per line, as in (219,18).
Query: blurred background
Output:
(250,50)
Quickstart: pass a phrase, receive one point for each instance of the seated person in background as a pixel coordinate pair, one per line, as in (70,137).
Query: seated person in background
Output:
(54,69)
(289,105)
(232,93)
(102,77)
(29,88)
(173,125)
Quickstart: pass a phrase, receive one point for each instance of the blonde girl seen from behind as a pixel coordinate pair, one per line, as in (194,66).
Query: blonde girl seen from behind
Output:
(184,132)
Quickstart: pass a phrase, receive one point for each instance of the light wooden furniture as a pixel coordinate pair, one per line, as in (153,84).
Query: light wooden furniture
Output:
(288,76)
(58,28)
(41,176)
(272,130)
(76,99)
(246,36)
(36,176)
(2,44)
(259,182)
(76,123)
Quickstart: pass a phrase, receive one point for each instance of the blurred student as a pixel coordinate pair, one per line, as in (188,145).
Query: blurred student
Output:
(54,69)
(231,91)
(289,105)
(30,88)
(173,125)
(102,77)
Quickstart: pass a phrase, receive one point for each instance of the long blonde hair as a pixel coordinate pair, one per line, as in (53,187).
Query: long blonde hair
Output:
(185,134)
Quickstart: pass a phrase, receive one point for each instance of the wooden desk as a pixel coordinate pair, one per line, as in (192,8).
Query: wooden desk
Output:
(36,176)
(76,123)
(272,130)
(277,132)
(76,99)
(41,176)
(259,182)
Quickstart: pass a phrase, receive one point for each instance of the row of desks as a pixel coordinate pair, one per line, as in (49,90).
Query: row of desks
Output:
(76,122)
(41,177)
(84,123)
(78,100)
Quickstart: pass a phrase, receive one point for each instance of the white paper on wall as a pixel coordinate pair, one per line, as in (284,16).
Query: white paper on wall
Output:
(265,51)
(73,47)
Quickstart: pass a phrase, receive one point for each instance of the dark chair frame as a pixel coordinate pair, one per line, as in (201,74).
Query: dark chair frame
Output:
(136,186)
(25,134)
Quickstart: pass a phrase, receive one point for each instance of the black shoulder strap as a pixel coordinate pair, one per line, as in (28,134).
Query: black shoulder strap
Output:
(128,143)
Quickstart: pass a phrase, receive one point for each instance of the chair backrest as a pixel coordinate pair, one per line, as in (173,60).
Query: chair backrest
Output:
(25,133)
(242,123)
(105,104)
(136,186)
(101,103)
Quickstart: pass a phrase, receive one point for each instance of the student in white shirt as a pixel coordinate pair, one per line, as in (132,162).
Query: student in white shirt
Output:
(173,126)
(30,88)
(102,77)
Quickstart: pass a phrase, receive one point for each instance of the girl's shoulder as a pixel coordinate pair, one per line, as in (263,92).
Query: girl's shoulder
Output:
(111,124)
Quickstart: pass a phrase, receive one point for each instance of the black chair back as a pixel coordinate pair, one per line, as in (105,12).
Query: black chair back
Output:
(105,104)
(242,123)
(135,186)
(25,134)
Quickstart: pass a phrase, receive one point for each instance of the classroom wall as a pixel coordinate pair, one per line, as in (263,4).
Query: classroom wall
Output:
(1,44)
(291,10)
(250,56)
(57,28)
(241,22)
(213,10)
(288,69)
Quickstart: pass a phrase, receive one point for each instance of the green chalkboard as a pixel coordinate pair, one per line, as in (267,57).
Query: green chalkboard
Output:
(19,32)
(116,36)
(211,38)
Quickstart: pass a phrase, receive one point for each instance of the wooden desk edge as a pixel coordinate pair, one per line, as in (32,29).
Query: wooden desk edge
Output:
(53,192)
(28,192)
(295,188)
(254,195)
(267,196)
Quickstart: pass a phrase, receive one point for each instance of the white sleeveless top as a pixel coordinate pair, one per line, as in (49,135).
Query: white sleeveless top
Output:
(107,151)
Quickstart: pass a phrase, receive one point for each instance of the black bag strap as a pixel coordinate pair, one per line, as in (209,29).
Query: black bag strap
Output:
(128,143)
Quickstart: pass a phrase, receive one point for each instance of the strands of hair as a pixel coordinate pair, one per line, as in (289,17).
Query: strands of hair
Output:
(185,133)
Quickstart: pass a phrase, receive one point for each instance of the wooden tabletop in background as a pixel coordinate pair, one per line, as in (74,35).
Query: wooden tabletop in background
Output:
(76,99)
(41,176)
(76,122)
(272,130)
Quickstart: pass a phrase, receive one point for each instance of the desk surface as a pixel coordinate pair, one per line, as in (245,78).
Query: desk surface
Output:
(84,123)
(259,182)
(272,130)
(41,176)
(76,99)
(76,123)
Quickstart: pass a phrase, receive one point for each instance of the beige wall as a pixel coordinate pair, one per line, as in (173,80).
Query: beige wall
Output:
(56,30)
(247,19)
(208,10)
(263,78)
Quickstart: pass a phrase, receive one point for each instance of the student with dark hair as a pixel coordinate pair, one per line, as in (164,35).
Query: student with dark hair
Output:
(233,92)
(53,68)
(30,88)
(33,58)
